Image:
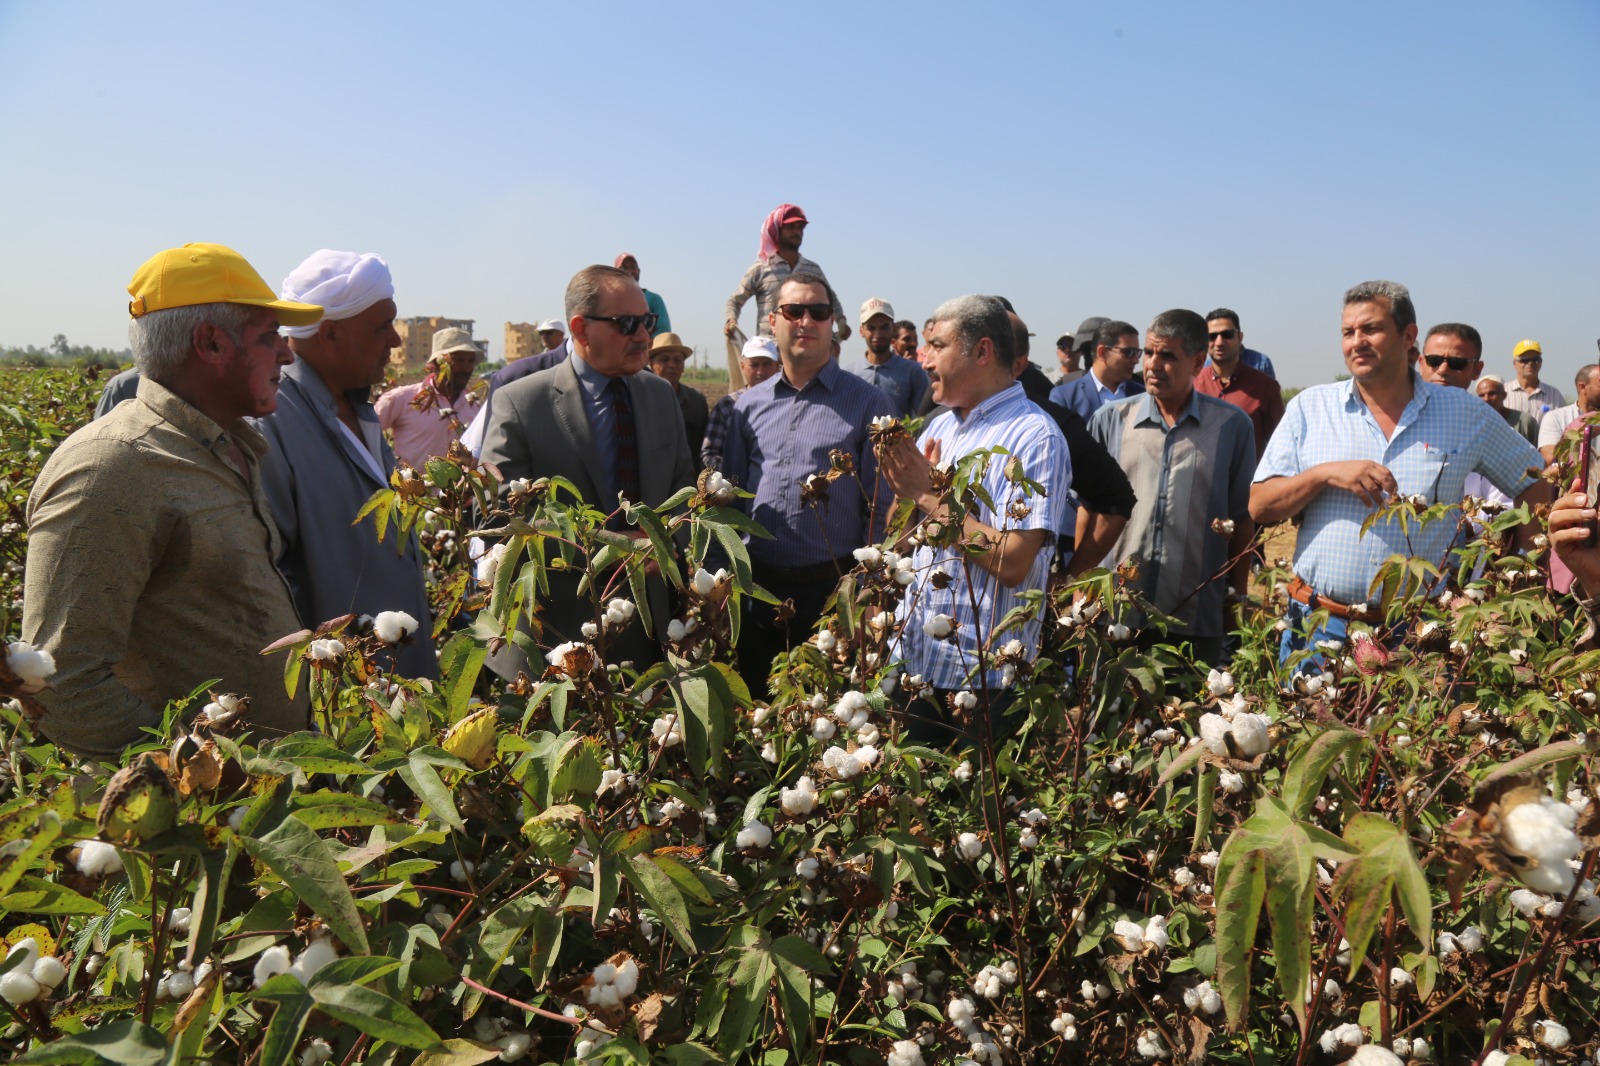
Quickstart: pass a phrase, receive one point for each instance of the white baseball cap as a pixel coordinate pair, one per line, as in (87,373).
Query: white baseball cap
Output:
(552,323)
(760,348)
(875,306)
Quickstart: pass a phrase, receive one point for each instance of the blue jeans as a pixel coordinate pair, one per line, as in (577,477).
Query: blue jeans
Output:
(1296,638)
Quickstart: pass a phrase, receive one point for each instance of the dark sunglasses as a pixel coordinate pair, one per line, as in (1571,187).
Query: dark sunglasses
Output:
(1528,360)
(1131,353)
(1225,334)
(1457,363)
(795,312)
(628,325)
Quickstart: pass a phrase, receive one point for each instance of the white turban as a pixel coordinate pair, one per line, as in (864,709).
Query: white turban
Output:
(343,284)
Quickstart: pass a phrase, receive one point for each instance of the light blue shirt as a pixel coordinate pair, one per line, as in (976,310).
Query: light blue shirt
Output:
(1442,436)
(1011,421)
(902,380)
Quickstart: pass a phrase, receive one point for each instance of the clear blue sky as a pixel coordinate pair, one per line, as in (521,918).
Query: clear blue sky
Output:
(1080,158)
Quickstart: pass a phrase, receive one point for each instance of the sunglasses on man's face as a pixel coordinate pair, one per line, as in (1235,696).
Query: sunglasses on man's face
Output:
(1528,360)
(1457,363)
(628,325)
(795,312)
(1225,334)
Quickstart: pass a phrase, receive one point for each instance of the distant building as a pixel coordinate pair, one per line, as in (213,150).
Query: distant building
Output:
(522,340)
(416,339)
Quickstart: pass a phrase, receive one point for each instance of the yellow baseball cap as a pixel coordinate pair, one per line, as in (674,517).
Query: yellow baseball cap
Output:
(208,274)
(1526,346)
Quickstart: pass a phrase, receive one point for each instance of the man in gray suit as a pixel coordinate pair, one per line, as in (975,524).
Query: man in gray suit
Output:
(328,457)
(596,421)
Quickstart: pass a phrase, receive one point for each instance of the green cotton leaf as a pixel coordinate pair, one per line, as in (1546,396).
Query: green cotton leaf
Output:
(442,472)
(1241,887)
(684,877)
(206,910)
(1560,751)
(125,1042)
(316,755)
(1289,900)
(375,1013)
(577,768)
(354,970)
(293,1007)
(420,776)
(460,662)
(307,865)
(41,837)
(689,1053)
(34,895)
(1309,766)
(748,987)
(1384,862)
(794,993)
(458,1051)
(326,809)
(545,946)
(1187,760)
(802,953)
(664,898)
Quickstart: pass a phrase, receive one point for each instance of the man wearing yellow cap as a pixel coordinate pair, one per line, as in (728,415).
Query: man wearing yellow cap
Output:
(150,550)
(1526,393)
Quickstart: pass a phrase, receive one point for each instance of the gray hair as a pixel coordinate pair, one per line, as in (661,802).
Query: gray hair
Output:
(977,317)
(1185,327)
(586,291)
(162,340)
(1395,294)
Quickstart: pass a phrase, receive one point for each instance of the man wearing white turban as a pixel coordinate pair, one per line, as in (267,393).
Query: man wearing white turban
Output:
(328,456)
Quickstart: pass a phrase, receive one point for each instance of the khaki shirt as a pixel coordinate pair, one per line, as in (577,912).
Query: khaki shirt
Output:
(150,573)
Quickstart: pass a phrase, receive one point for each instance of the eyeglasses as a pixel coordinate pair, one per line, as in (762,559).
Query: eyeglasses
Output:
(1131,353)
(1457,363)
(795,312)
(1528,360)
(1224,334)
(628,325)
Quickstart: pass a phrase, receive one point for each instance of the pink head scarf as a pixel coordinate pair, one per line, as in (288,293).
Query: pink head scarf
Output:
(769,229)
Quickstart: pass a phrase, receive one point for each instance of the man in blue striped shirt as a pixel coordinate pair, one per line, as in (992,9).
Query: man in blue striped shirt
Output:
(779,447)
(1343,449)
(950,634)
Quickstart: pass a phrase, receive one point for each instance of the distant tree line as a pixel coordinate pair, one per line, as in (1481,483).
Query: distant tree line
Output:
(62,353)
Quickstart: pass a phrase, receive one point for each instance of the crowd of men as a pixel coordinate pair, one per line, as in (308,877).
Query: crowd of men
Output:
(210,508)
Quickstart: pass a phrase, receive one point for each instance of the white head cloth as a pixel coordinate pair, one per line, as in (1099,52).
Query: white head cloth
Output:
(344,284)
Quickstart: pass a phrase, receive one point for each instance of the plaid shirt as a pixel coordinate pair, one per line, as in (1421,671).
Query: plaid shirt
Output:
(1443,435)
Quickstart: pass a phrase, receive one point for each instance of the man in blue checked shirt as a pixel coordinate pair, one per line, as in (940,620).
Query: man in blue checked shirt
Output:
(1343,448)
(968,354)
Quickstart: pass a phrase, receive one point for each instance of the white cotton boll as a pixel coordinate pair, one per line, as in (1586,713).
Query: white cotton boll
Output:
(1250,737)
(273,961)
(316,1053)
(178,920)
(1373,1055)
(754,835)
(801,799)
(1470,939)
(968,846)
(1446,945)
(1209,859)
(1527,903)
(966,700)
(959,1010)
(589,630)
(1552,1035)
(1028,840)
(868,736)
(1219,683)
(859,719)
(667,731)
(28,949)
(823,728)
(866,755)
(31,665)
(460,870)
(325,651)
(850,705)
(1230,782)
(938,627)
(904,1053)
(1150,1045)
(393,626)
(826,641)
(769,753)
(49,971)
(627,980)
(180,984)
(1129,934)
(807,868)
(1399,978)
(316,955)
(1496,1058)
(17,987)
(869,557)
(1118,632)
(887,685)
(1542,832)
(962,771)
(513,1046)
(1213,733)
(1155,933)
(1183,877)
(704,581)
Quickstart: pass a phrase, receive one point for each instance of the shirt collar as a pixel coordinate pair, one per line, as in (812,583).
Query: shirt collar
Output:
(1421,391)
(827,377)
(189,420)
(594,383)
(305,375)
(992,406)
(1149,412)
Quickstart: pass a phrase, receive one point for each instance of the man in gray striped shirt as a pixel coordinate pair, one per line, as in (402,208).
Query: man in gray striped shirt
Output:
(777,260)
(1190,458)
